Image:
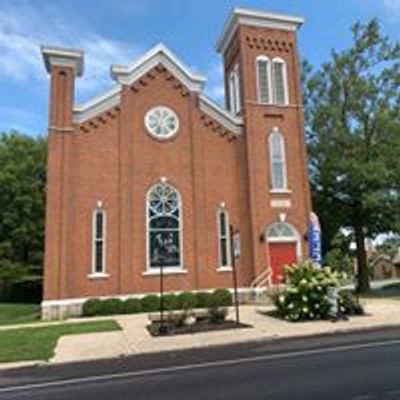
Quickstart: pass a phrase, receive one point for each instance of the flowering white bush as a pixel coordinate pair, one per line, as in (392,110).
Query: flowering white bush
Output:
(305,296)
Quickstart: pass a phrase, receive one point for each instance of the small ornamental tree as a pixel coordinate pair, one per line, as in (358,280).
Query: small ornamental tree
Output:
(305,297)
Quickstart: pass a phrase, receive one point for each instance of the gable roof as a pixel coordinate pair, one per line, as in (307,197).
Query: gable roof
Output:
(126,75)
(159,54)
(220,114)
(248,16)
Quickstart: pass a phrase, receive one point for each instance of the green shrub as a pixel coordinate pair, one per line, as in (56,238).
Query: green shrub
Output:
(170,302)
(92,307)
(132,306)
(177,319)
(150,303)
(112,307)
(305,297)
(202,299)
(217,315)
(349,304)
(187,301)
(221,298)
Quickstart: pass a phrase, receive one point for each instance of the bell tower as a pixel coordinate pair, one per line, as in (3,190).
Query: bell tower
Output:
(262,82)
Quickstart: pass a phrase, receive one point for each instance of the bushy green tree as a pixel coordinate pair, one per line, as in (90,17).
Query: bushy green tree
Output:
(22,205)
(353,129)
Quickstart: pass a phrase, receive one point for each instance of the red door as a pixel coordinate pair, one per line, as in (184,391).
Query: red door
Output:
(281,254)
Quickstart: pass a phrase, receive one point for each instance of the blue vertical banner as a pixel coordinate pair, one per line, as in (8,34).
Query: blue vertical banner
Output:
(314,239)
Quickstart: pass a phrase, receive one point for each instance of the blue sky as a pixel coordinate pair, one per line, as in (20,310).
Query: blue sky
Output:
(118,31)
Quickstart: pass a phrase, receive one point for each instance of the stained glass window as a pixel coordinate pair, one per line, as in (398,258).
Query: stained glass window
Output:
(161,122)
(164,226)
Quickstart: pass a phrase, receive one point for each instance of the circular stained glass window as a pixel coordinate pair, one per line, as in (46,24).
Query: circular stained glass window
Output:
(161,122)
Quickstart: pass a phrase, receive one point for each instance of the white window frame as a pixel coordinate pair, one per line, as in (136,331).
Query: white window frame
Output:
(269,79)
(227,237)
(178,269)
(103,273)
(278,60)
(232,101)
(236,76)
(234,90)
(274,188)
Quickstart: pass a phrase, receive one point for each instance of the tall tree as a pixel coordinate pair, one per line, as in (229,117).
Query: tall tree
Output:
(353,129)
(22,198)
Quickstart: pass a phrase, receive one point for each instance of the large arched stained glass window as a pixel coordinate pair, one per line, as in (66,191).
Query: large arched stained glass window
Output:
(164,227)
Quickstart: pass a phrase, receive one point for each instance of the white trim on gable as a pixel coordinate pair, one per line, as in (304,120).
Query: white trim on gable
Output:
(223,116)
(159,54)
(126,75)
(97,105)
(247,16)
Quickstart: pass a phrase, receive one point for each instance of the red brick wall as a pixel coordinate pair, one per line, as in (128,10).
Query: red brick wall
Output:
(112,158)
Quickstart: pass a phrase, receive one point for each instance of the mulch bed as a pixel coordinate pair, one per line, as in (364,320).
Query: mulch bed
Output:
(198,327)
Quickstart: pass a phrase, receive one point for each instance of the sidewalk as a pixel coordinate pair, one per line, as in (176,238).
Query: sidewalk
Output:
(135,339)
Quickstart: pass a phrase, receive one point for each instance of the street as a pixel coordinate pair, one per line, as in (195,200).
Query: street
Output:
(358,366)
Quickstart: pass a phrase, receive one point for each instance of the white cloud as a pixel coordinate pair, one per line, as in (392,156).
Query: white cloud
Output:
(23,28)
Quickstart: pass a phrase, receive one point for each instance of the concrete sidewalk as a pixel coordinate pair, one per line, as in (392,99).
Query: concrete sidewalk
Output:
(135,339)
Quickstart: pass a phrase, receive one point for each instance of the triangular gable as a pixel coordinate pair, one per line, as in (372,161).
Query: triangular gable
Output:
(159,54)
(127,75)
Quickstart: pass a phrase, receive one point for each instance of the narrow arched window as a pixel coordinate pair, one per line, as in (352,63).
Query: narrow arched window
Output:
(280,81)
(263,79)
(99,242)
(164,227)
(234,90)
(278,160)
(224,239)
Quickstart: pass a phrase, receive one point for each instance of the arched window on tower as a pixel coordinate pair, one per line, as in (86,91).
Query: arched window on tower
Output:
(234,90)
(280,81)
(164,227)
(263,79)
(278,160)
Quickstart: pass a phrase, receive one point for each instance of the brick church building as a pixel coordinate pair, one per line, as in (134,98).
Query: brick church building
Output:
(153,172)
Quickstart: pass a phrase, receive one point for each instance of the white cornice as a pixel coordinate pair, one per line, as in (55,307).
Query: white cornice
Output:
(223,116)
(246,16)
(159,54)
(97,105)
(63,57)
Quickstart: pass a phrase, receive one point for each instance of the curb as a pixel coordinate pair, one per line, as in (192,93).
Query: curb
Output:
(261,340)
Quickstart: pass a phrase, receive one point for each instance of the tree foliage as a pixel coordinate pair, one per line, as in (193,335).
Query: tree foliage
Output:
(353,130)
(22,204)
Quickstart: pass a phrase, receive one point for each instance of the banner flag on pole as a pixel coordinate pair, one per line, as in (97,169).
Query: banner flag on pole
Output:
(314,240)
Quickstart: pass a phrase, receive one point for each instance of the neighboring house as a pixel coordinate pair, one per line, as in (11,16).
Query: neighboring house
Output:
(153,172)
(384,267)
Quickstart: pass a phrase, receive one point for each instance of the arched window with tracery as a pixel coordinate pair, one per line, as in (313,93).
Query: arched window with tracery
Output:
(164,227)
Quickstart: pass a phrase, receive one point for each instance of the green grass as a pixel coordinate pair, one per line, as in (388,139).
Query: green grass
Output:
(38,343)
(18,313)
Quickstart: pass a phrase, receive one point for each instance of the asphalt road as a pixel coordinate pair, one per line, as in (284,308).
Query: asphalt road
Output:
(348,366)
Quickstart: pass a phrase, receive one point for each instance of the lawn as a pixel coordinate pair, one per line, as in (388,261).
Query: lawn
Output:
(38,343)
(18,313)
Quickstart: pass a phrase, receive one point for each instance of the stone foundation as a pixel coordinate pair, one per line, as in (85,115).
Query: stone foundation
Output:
(69,308)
